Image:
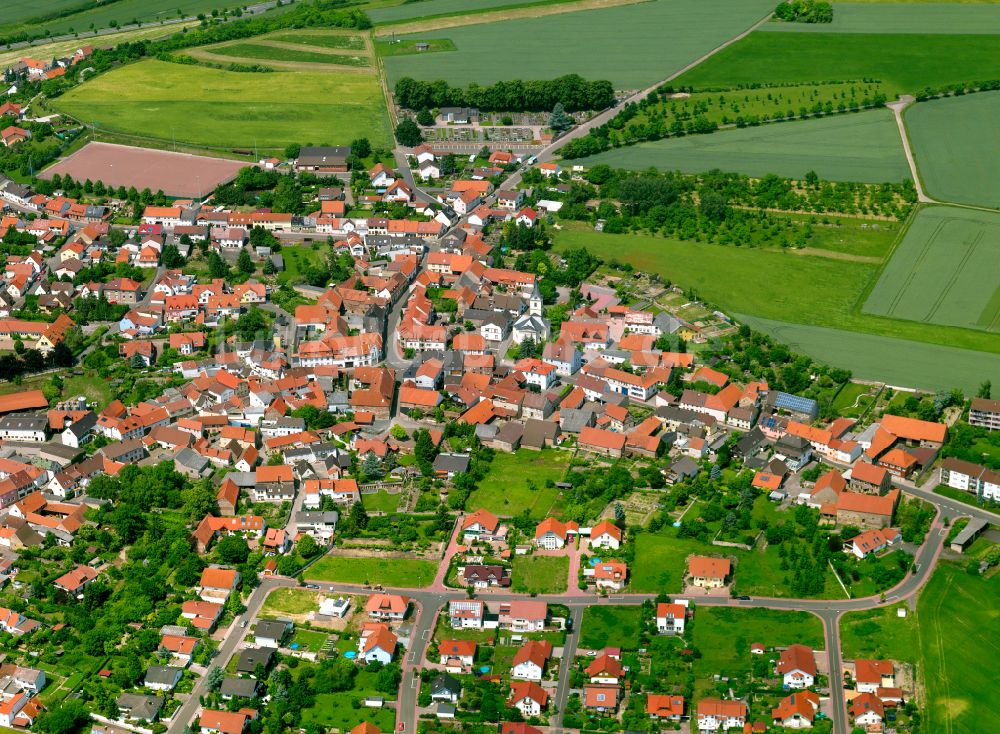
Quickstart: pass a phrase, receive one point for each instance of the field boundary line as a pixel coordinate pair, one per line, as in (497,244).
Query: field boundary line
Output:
(858,308)
(914,266)
(959,267)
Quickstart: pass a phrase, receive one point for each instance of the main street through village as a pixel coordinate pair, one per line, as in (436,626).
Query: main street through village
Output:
(430,602)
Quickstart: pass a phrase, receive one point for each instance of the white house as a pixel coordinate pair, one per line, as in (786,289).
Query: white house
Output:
(529,698)
(605,534)
(376,642)
(797,666)
(671,618)
(715,714)
(529,661)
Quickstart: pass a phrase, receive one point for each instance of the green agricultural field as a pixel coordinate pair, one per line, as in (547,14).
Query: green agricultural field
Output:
(957,633)
(101,15)
(505,490)
(638,44)
(887,359)
(409,46)
(396,572)
(902,62)
(264,52)
(944,271)
(611,626)
(862,146)
(324,40)
(208,107)
(879,633)
(438,8)
(540,574)
(724,636)
(901,18)
(801,294)
(956,146)
(19,11)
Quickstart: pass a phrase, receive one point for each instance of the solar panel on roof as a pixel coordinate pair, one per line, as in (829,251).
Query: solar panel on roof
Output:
(795,402)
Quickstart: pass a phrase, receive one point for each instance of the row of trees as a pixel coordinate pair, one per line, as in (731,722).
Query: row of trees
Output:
(572,91)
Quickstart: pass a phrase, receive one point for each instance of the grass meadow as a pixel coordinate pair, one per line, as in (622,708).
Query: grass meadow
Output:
(862,146)
(903,62)
(879,633)
(397,572)
(957,636)
(540,574)
(631,45)
(811,303)
(611,626)
(291,601)
(505,489)
(891,17)
(265,52)
(956,146)
(944,271)
(208,107)
(345,41)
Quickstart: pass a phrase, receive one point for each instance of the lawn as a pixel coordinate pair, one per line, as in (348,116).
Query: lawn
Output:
(901,18)
(955,142)
(210,107)
(299,258)
(902,62)
(396,572)
(958,495)
(290,601)
(862,146)
(309,640)
(380,501)
(337,710)
(724,636)
(663,562)
(853,399)
(879,633)
(957,635)
(540,574)
(631,45)
(505,490)
(813,292)
(266,53)
(611,626)
(944,270)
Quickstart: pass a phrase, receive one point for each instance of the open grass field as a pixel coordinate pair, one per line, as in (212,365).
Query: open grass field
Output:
(380,501)
(611,626)
(724,636)
(213,108)
(862,146)
(802,293)
(540,574)
(324,39)
(291,601)
(336,710)
(901,18)
(505,489)
(638,44)
(438,8)
(884,358)
(397,572)
(879,633)
(957,631)
(902,62)
(956,146)
(944,271)
(266,52)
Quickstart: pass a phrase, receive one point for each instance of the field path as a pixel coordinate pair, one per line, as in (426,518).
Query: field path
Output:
(328,50)
(897,108)
(834,255)
(534,11)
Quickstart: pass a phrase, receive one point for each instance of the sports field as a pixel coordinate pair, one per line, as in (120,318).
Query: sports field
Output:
(945,271)
(175,174)
(631,45)
(956,145)
(957,632)
(213,108)
(862,146)
(901,18)
(903,62)
(895,361)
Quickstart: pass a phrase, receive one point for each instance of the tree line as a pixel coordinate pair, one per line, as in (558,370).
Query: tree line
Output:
(572,91)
